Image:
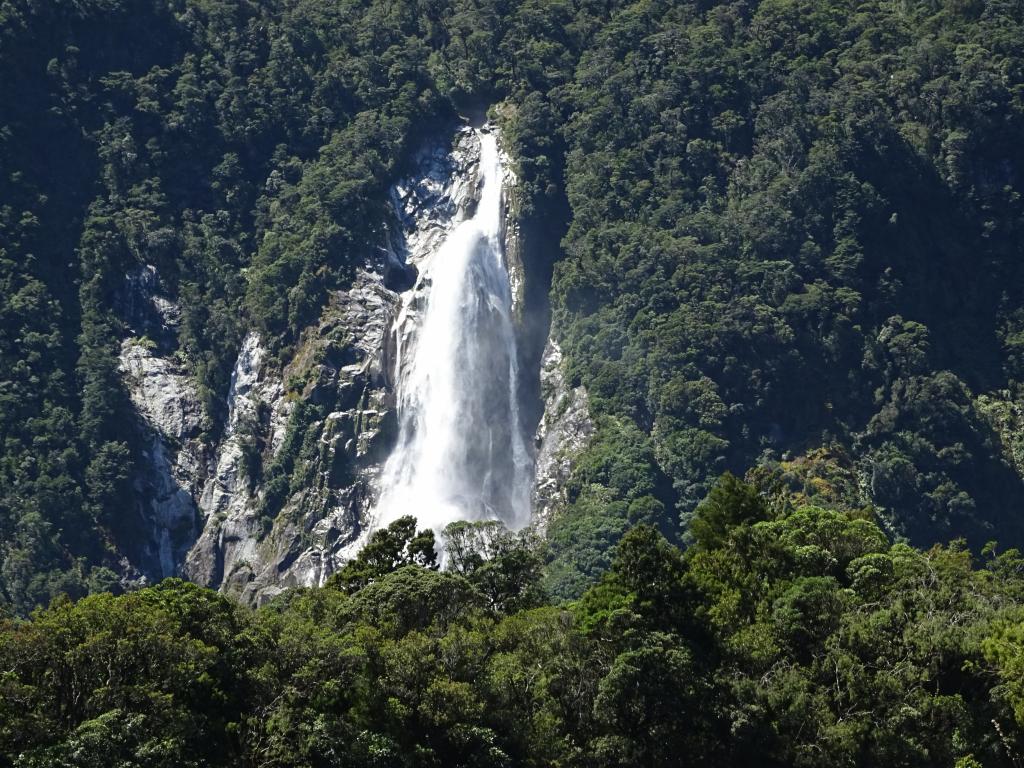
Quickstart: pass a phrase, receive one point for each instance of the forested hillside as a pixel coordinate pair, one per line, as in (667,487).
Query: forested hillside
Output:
(795,242)
(792,239)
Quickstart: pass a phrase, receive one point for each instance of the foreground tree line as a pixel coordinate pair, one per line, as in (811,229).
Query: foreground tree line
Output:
(784,636)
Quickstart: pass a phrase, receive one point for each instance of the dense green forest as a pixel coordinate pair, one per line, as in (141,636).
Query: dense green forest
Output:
(789,245)
(792,238)
(784,636)
(796,242)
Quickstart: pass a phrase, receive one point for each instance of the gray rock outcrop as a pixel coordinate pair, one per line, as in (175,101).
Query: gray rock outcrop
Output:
(564,431)
(168,406)
(282,497)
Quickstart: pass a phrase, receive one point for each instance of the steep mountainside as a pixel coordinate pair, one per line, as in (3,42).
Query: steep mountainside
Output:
(780,237)
(205,233)
(796,243)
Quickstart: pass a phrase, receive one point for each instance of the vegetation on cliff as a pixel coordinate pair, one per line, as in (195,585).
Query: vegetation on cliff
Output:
(795,242)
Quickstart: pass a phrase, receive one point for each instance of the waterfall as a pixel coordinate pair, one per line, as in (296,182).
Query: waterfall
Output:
(460,453)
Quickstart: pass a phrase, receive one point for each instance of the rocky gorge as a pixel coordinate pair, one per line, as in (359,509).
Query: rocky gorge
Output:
(281,497)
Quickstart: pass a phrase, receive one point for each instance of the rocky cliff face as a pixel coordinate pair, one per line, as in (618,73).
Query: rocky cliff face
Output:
(563,433)
(169,413)
(282,497)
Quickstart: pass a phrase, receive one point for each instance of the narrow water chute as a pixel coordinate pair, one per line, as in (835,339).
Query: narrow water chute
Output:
(460,453)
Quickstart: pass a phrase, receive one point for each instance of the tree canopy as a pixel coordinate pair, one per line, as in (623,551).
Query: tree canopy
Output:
(799,636)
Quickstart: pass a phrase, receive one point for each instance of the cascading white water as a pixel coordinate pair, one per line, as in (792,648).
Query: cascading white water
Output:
(460,453)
